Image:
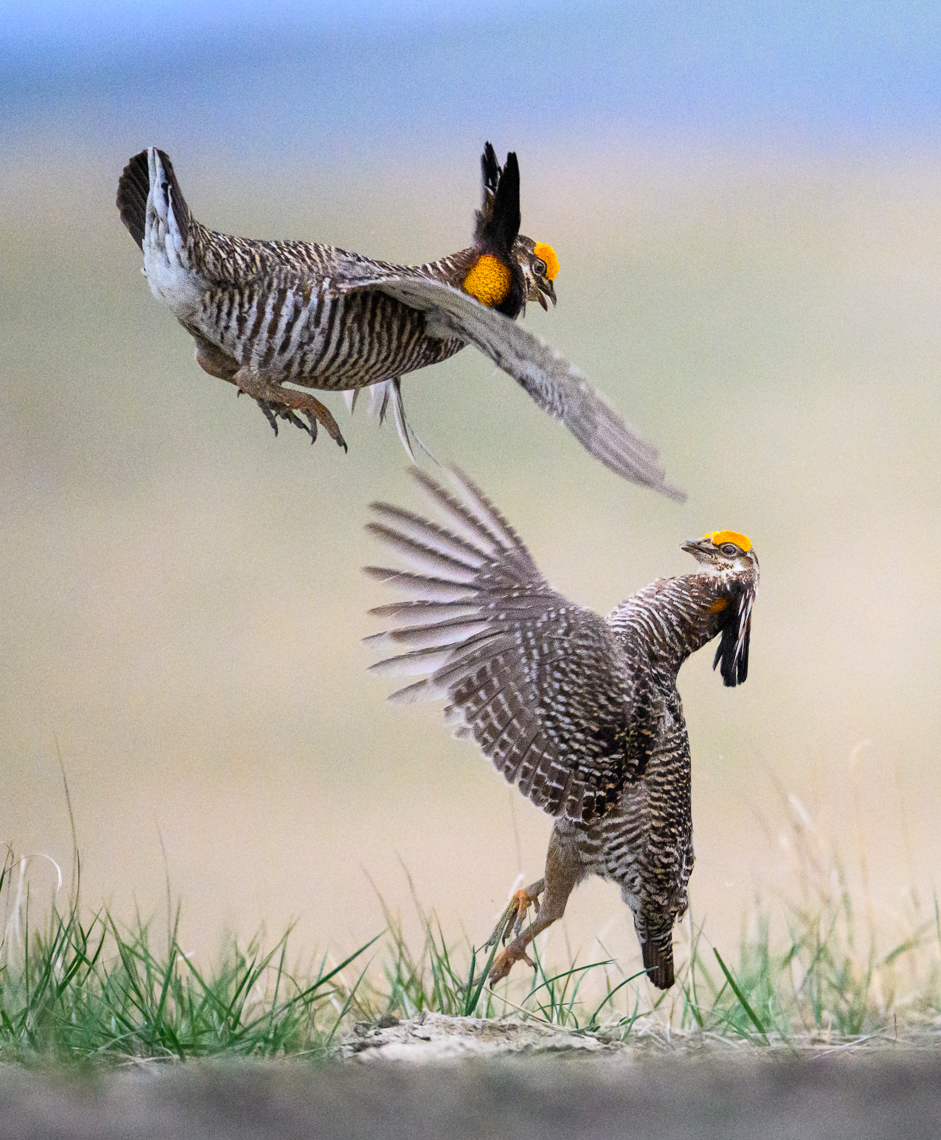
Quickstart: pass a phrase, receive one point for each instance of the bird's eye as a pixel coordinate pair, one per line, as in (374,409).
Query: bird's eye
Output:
(729,549)
(539,267)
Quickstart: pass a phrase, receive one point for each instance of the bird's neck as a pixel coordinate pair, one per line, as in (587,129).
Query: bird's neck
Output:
(451,269)
(673,617)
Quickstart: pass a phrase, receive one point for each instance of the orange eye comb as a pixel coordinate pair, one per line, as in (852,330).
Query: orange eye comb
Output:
(547,253)
(720,536)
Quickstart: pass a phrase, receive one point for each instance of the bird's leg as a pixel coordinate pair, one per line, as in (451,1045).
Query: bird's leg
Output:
(515,914)
(563,871)
(277,401)
(213,360)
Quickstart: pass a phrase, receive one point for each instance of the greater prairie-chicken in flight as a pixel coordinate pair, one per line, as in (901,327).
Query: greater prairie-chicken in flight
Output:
(267,315)
(581,712)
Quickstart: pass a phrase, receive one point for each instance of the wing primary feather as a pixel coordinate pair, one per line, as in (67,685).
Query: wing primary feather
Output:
(439,589)
(434,536)
(411,694)
(411,613)
(433,660)
(453,633)
(422,556)
(495,532)
(486,512)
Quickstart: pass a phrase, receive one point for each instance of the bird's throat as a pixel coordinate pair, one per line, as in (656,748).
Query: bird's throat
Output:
(489,280)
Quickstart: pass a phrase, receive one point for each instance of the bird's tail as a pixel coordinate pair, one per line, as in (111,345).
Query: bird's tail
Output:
(158,219)
(658,958)
(383,398)
(152,205)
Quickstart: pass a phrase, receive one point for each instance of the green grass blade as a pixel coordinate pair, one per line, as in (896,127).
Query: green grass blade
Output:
(743,1001)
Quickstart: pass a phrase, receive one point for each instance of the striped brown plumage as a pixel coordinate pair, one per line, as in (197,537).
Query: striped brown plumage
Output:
(275,316)
(582,713)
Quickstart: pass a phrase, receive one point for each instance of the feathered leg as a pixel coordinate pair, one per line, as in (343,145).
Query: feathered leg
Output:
(657,949)
(563,871)
(218,363)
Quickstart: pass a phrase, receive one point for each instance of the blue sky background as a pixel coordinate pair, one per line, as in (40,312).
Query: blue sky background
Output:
(370,72)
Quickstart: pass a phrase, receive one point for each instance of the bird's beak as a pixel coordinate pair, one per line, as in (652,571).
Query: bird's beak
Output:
(695,546)
(545,288)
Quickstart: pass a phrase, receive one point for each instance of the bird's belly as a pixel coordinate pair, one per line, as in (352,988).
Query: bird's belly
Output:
(317,339)
(615,847)
(648,852)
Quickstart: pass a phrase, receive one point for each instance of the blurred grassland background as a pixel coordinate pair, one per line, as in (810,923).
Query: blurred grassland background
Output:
(748,219)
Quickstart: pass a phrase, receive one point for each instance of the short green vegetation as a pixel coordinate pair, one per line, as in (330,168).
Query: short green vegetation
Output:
(81,987)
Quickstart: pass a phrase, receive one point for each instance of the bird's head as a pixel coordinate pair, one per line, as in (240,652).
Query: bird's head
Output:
(727,556)
(720,551)
(540,265)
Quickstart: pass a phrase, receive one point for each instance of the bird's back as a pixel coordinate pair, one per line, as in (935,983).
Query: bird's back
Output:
(288,309)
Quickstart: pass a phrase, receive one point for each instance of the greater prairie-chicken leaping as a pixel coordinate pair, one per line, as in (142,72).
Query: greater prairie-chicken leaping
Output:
(275,316)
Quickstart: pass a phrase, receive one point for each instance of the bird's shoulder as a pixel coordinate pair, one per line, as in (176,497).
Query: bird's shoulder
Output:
(231,260)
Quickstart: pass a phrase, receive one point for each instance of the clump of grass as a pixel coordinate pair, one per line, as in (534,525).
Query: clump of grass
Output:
(84,987)
(827,974)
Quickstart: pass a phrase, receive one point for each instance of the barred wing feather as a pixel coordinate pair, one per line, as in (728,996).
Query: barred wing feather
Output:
(538,682)
(551,380)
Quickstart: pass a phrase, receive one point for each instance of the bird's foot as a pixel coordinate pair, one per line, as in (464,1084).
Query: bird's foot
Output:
(288,404)
(274,412)
(515,914)
(507,958)
(519,906)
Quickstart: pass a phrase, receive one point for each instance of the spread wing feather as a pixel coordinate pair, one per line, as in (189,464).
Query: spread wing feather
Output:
(553,382)
(539,683)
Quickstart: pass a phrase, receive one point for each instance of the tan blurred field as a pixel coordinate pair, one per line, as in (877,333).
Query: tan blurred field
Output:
(182,605)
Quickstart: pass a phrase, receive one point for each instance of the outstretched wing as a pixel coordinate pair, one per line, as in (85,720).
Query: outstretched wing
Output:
(539,683)
(553,382)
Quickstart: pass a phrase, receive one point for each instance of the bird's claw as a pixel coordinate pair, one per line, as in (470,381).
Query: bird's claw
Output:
(287,404)
(514,916)
(275,412)
(505,961)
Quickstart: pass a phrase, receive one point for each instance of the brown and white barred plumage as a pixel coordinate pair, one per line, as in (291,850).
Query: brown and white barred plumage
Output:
(581,712)
(268,315)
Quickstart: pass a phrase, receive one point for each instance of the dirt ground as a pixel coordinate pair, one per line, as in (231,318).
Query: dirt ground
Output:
(575,1097)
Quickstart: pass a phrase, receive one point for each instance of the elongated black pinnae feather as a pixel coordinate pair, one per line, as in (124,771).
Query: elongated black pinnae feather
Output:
(732,651)
(498,222)
(490,170)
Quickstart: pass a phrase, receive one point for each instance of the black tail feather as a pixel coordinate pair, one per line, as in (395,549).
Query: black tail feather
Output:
(133,187)
(658,959)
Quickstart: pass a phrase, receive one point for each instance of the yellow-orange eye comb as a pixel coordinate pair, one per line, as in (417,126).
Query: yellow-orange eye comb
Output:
(547,253)
(720,536)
